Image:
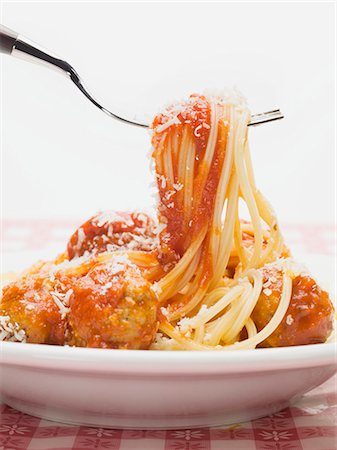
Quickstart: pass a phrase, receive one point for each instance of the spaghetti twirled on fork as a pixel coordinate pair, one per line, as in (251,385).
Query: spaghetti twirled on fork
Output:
(200,278)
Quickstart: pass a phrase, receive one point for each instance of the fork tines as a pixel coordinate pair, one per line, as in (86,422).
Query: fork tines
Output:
(269,116)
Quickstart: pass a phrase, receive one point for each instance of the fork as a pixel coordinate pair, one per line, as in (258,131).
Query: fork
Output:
(11,43)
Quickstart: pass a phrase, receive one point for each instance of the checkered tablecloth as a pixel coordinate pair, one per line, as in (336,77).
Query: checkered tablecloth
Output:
(310,424)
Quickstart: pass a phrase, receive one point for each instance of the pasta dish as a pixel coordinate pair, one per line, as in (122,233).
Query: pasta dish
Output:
(195,277)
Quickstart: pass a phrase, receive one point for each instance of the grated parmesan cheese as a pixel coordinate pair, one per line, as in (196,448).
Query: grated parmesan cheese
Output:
(156,289)
(162,181)
(106,287)
(302,307)
(160,227)
(207,337)
(75,262)
(62,301)
(169,194)
(267,292)
(106,217)
(164,311)
(289,319)
(294,268)
(178,186)
(80,238)
(184,325)
(11,332)
(196,131)
(168,124)
(187,324)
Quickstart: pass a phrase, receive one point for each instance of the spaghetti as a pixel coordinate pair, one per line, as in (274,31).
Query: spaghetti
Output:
(199,279)
(201,146)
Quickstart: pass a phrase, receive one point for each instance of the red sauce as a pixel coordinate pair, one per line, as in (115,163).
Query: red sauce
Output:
(196,115)
(203,207)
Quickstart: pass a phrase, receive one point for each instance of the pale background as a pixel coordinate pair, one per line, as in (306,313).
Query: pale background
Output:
(64,158)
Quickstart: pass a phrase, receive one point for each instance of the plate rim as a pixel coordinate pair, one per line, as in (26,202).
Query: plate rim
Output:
(96,360)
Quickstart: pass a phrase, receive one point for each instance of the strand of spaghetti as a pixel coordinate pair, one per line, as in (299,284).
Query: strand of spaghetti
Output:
(214,296)
(210,328)
(182,155)
(167,344)
(182,264)
(185,277)
(240,250)
(224,323)
(223,187)
(275,241)
(273,323)
(247,193)
(213,133)
(251,328)
(141,258)
(188,180)
(227,166)
(248,229)
(187,343)
(189,272)
(199,334)
(211,312)
(249,167)
(176,144)
(222,138)
(227,233)
(159,152)
(248,306)
(167,163)
(214,240)
(230,331)
(153,274)
(196,297)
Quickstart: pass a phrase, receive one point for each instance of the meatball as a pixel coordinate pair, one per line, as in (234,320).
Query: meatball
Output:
(113,306)
(112,231)
(85,302)
(309,318)
(34,304)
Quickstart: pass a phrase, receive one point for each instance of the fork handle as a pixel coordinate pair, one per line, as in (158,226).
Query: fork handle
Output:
(11,43)
(8,38)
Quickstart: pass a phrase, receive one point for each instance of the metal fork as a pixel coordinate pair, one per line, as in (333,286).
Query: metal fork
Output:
(11,43)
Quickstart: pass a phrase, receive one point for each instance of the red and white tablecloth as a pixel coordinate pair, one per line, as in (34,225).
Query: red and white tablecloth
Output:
(310,424)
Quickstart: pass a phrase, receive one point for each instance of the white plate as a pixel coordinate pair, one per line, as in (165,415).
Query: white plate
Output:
(153,389)
(148,389)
